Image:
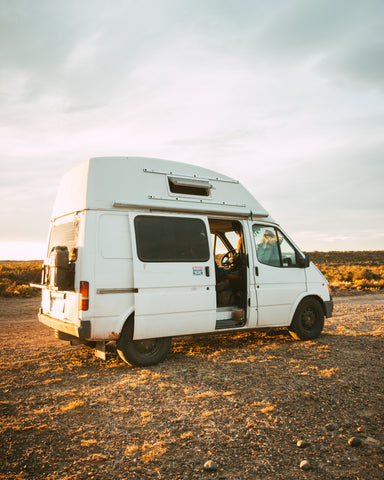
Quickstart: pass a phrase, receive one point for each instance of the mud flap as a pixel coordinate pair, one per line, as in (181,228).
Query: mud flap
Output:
(100,350)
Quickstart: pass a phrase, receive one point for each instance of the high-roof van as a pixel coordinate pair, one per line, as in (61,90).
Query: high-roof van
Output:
(141,250)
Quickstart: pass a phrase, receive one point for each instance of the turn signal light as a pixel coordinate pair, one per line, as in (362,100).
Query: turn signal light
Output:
(84,295)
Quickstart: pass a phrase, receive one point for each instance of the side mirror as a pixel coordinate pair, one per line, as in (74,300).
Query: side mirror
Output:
(303,261)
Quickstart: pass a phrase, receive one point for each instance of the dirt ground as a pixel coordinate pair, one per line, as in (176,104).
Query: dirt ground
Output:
(239,400)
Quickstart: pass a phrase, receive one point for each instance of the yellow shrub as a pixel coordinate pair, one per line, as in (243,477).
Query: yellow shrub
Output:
(15,278)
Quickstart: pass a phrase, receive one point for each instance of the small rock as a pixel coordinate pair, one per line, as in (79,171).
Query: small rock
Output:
(210,466)
(362,429)
(353,459)
(98,457)
(302,444)
(305,465)
(354,442)
(367,413)
(182,418)
(372,442)
(330,427)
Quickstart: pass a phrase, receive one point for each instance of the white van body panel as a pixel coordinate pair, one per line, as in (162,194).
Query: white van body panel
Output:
(94,215)
(276,293)
(173,298)
(128,182)
(318,283)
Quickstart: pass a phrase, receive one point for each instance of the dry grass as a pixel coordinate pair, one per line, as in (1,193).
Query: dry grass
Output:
(241,399)
(352,271)
(346,271)
(88,443)
(72,405)
(354,277)
(15,278)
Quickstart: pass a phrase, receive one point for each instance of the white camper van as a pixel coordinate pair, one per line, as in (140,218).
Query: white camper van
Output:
(142,249)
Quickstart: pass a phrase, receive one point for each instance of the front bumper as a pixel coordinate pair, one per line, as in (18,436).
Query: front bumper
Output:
(328,308)
(81,331)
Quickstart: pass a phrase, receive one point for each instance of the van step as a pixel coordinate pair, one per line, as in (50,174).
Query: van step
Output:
(229,317)
(228,323)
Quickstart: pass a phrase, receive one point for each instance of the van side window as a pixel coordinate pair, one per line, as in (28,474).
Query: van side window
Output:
(171,239)
(219,246)
(273,248)
(288,252)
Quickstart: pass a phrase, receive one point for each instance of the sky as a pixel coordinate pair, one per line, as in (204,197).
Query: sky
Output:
(286,96)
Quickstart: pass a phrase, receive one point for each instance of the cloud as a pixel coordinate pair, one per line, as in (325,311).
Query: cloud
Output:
(82,56)
(285,96)
(358,65)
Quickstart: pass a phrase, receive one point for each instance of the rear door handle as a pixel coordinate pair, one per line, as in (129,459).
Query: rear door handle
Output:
(207,273)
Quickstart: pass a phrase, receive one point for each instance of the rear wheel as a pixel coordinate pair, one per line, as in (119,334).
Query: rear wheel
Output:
(308,321)
(141,353)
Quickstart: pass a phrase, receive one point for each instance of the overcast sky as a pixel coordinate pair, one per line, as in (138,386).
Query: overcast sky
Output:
(286,96)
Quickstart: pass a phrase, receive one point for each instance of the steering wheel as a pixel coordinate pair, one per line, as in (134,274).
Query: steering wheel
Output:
(227,258)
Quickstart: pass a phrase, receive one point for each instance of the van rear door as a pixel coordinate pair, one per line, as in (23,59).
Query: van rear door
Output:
(59,299)
(174,275)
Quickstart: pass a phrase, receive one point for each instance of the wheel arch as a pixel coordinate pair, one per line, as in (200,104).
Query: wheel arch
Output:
(126,316)
(301,299)
(140,353)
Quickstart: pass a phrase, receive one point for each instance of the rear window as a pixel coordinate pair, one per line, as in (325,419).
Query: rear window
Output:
(171,239)
(64,235)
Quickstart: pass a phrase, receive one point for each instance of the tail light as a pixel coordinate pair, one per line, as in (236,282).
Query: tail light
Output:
(84,295)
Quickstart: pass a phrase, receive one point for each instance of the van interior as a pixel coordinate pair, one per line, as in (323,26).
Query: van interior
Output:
(231,272)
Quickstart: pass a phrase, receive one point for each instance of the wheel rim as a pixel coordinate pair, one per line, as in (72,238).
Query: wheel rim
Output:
(146,347)
(308,319)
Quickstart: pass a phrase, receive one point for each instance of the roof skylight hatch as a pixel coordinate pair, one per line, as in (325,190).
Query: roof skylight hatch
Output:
(190,186)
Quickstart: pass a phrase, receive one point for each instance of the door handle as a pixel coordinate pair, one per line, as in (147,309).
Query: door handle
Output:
(257,271)
(207,273)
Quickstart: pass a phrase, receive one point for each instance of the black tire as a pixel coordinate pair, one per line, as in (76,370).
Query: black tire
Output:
(141,353)
(308,321)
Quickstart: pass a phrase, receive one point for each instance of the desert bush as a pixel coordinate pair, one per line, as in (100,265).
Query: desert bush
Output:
(15,278)
(345,271)
(354,277)
(364,273)
(362,258)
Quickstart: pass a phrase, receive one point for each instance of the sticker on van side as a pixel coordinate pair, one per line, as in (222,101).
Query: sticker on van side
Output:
(197,270)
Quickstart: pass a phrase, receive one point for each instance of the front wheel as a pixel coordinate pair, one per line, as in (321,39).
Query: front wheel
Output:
(141,353)
(308,321)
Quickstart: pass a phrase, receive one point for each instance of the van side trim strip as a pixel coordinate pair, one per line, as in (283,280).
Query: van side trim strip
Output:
(103,291)
(193,200)
(182,209)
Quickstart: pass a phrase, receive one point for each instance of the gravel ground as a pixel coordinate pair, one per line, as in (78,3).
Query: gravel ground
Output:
(252,405)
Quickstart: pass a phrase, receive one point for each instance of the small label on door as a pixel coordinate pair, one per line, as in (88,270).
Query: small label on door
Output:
(197,270)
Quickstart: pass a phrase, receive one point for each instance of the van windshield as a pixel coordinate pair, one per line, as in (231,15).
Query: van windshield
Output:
(64,235)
